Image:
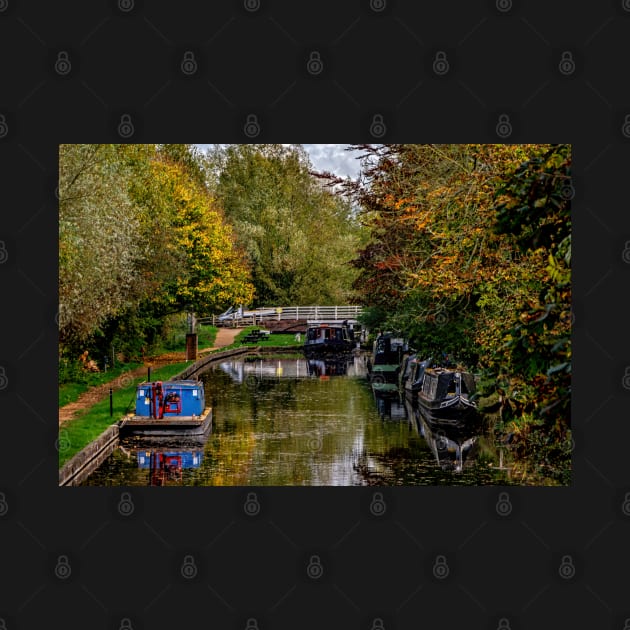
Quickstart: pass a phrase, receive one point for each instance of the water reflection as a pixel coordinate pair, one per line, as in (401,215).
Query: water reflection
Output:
(297,422)
(166,467)
(453,444)
(390,407)
(331,366)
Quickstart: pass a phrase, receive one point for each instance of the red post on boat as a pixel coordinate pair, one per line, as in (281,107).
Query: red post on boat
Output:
(157,400)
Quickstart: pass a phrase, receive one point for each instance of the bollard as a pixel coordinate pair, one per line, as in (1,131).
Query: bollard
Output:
(149,374)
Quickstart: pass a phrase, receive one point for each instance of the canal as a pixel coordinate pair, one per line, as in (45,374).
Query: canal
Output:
(291,422)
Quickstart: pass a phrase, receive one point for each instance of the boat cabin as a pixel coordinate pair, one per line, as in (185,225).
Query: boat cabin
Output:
(439,384)
(388,349)
(170,399)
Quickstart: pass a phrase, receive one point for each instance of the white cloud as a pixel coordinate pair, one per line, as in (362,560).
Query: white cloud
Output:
(328,157)
(334,158)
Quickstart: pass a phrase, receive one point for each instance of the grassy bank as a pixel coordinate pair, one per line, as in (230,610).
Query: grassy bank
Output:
(86,427)
(273,340)
(73,381)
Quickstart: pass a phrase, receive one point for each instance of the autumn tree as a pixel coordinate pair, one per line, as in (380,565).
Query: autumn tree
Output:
(139,237)
(298,237)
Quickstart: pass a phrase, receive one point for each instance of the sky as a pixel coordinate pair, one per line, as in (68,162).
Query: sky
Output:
(330,157)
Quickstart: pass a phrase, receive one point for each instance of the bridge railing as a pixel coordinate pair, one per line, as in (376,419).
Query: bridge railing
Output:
(318,312)
(295,313)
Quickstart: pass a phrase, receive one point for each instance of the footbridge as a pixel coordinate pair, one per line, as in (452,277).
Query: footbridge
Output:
(243,317)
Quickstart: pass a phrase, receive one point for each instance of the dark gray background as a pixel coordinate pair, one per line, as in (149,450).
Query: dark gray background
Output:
(376,58)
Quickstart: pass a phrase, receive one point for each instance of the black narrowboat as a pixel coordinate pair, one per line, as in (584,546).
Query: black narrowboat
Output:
(328,338)
(446,394)
(384,367)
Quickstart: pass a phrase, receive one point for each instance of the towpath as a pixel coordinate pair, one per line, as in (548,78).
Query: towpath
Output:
(225,336)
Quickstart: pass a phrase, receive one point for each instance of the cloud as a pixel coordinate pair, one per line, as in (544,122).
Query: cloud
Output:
(328,157)
(334,158)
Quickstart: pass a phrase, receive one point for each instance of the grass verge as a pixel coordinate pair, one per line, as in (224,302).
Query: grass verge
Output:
(70,391)
(80,431)
(273,340)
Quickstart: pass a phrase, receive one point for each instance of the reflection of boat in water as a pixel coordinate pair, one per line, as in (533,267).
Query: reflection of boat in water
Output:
(335,366)
(390,407)
(384,366)
(169,408)
(168,465)
(264,369)
(453,444)
(445,394)
(328,338)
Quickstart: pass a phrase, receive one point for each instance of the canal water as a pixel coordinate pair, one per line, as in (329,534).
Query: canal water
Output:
(293,422)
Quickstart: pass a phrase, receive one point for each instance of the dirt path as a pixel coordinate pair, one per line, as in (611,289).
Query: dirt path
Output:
(225,336)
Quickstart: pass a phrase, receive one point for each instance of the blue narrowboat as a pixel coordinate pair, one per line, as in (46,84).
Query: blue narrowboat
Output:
(169,408)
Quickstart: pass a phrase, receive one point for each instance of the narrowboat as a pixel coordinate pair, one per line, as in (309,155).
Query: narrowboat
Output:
(169,408)
(328,338)
(412,374)
(446,394)
(384,366)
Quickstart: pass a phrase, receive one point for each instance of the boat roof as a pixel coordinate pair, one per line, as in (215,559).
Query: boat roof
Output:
(178,383)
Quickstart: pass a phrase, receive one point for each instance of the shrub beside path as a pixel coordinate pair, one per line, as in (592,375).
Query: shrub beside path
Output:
(224,337)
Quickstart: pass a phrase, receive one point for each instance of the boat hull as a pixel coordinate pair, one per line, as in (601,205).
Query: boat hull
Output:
(456,409)
(170,426)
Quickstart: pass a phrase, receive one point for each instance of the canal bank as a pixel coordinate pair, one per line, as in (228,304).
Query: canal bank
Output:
(79,466)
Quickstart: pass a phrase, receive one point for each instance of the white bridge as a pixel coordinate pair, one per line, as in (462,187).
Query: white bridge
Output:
(238,316)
